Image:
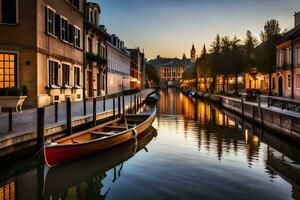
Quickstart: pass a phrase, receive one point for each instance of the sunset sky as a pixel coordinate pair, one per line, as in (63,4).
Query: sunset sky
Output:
(170,27)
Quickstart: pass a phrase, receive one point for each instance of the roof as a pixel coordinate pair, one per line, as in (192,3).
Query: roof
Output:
(170,62)
(291,34)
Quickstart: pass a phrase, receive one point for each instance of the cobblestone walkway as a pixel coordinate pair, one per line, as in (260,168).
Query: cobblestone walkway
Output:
(27,121)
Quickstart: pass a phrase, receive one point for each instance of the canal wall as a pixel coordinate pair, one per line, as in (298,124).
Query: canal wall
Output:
(15,146)
(284,123)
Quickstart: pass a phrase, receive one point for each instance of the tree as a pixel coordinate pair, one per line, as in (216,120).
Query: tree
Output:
(250,44)
(236,60)
(151,73)
(266,52)
(214,61)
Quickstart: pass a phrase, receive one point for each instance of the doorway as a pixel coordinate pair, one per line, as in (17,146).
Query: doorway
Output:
(91,84)
(280,86)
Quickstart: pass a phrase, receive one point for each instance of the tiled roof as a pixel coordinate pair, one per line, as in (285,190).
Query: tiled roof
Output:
(291,34)
(170,62)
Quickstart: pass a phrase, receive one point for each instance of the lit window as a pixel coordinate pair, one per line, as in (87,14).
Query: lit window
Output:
(8,70)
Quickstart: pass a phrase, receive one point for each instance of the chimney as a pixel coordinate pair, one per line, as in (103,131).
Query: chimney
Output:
(297,19)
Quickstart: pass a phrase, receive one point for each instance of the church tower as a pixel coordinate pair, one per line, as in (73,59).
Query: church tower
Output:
(193,54)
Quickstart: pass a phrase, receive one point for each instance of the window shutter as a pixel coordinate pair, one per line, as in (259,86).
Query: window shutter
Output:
(67,31)
(71,33)
(57,25)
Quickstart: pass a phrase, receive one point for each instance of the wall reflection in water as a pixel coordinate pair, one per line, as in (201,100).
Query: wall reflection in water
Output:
(221,133)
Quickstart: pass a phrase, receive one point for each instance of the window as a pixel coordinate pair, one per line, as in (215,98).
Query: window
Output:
(76,76)
(273,83)
(90,45)
(75,3)
(64,29)
(53,72)
(99,49)
(298,56)
(289,81)
(8,75)
(50,16)
(298,81)
(9,11)
(77,37)
(91,16)
(66,74)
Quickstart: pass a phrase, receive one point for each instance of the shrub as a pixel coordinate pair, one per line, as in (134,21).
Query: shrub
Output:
(14,91)
(24,89)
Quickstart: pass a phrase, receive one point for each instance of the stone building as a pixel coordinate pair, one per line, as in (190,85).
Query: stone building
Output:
(41,46)
(118,74)
(286,80)
(95,52)
(170,73)
(137,68)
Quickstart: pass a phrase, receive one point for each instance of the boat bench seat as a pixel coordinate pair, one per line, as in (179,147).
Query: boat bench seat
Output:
(103,133)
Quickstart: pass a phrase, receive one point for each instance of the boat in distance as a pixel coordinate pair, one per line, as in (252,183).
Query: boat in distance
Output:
(98,138)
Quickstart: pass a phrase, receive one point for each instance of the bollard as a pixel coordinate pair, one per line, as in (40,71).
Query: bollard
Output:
(123,103)
(135,103)
(141,98)
(104,104)
(119,106)
(130,107)
(253,114)
(114,106)
(94,111)
(10,119)
(84,104)
(56,111)
(261,117)
(40,127)
(69,116)
(242,106)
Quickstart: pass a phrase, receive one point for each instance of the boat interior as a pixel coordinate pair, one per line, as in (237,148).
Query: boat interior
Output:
(104,130)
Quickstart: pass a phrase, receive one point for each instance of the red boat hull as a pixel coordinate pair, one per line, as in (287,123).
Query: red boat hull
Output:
(58,154)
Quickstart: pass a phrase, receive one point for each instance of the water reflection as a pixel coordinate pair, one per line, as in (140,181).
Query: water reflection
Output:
(200,152)
(92,178)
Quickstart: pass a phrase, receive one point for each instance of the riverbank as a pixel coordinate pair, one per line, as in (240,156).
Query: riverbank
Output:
(285,124)
(23,140)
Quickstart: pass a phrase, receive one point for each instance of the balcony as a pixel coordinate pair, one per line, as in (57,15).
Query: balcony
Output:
(283,67)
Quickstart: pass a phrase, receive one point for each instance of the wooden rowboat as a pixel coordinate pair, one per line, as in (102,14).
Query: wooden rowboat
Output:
(78,172)
(97,138)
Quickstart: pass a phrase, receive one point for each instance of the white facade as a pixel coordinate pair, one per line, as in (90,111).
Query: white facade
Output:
(118,71)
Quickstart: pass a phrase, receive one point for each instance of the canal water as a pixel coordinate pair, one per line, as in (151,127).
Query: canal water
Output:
(195,151)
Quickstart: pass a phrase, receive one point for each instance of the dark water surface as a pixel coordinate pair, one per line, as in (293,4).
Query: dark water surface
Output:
(196,152)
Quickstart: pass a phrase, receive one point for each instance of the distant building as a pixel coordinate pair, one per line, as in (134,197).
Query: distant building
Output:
(170,70)
(193,54)
(119,63)
(95,52)
(41,47)
(170,73)
(286,81)
(137,68)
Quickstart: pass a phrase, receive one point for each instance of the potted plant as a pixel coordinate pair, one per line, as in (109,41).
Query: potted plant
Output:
(13,97)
